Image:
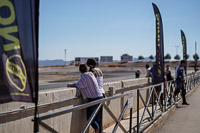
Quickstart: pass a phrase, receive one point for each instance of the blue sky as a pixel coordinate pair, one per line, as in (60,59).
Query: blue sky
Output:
(94,28)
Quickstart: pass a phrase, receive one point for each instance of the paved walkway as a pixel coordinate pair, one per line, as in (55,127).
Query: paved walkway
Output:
(185,119)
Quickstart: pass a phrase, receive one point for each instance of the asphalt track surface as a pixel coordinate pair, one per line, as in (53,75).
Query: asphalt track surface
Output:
(64,84)
(106,80)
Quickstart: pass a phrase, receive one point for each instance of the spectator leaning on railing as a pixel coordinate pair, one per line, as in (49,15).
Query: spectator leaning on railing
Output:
(148,68)
(89,88)
(91,63)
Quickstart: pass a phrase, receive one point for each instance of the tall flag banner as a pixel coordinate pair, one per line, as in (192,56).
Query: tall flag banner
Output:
(159,44)
(183,38)
(19,50)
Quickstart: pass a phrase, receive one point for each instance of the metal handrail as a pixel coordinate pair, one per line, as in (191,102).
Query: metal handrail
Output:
(146,105)
(169,94)
(33,107)
(83,106)
(191,82)
(168,90)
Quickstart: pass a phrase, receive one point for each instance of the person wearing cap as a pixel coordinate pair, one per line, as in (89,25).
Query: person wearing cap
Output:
(137,73)
(89,88)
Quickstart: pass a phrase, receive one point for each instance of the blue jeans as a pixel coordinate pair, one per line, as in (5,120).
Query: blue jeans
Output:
(97,122)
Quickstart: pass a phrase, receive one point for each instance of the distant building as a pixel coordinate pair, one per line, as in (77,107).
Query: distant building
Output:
(106,59)
(79,60)
(126,58)
(72,62)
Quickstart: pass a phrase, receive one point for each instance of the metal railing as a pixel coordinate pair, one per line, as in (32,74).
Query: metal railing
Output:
(165,91)
(161,97)
(154,111)
(101,103)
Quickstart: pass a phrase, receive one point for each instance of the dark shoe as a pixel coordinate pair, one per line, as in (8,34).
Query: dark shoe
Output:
(185,103)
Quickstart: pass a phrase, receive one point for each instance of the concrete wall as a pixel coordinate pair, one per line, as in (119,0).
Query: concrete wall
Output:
(20,121)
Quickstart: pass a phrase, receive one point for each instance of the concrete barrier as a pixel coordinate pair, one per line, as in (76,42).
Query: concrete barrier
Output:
(18,116)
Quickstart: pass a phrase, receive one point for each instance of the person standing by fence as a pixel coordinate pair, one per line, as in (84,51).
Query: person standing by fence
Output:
(168,73)
(171,79)
(180,82)
(91,63)
(89,88)
(156,80)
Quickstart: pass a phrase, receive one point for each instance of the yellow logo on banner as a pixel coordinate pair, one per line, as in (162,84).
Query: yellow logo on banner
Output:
(17,71)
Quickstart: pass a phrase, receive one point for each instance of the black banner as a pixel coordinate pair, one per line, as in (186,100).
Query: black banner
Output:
(19,50)
(159,44)
(184,44)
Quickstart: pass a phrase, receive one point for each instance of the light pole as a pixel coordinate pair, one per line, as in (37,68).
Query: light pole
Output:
(176,49)
(190,53)
(65,56)
(195,47)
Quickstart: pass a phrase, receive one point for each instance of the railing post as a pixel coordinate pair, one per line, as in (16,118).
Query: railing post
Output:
(122,98)
(164,96)
(190,82)
(130,124)
(36,125)
(152,101)
(36,119)
(138,110)
(163,91)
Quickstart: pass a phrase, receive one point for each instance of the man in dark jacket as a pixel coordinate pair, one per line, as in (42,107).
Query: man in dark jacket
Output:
(180,81)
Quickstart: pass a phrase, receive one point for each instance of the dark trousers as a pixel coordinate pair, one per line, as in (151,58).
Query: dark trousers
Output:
(97,122)
(180,86)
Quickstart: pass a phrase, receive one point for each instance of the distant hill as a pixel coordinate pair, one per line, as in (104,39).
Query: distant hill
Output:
(52,62)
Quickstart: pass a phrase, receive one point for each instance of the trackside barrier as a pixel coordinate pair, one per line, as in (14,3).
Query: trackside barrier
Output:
(158,106)
(161,97)
(154,111)
(101,102)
